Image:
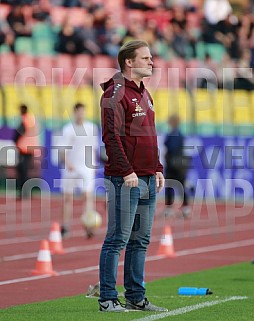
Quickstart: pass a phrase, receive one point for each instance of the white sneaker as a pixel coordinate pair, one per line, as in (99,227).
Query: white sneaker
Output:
(144,305)
(112,306)
(169,212)
(186,211)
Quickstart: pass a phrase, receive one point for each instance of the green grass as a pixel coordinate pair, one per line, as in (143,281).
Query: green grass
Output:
(235,280)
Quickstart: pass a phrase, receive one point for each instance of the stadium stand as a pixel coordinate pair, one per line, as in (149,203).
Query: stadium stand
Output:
(174,27)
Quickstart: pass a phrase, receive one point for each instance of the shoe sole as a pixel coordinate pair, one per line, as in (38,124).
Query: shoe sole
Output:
(123,311)
(134,309)
(138,310)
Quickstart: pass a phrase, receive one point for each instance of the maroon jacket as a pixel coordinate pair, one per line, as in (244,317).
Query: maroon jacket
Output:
(128,129)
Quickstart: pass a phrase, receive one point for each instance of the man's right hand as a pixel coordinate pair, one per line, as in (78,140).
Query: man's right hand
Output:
(131,180)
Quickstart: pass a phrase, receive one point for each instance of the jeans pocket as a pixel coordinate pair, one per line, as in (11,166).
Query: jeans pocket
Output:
(117,181)
(107,183)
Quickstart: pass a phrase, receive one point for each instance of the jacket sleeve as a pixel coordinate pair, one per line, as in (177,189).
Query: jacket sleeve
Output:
(113,121)
(159,165)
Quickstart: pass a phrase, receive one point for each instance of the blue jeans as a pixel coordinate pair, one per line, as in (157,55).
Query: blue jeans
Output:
(130,218)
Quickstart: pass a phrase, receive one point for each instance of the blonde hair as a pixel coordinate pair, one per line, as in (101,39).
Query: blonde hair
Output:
(128,51)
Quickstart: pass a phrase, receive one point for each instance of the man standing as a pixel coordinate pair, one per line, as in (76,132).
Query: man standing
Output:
(176,167)
(80,137)
(27,142)
(133,174)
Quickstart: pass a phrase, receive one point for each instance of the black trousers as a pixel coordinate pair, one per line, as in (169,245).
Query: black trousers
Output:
(22,171)
(170,192)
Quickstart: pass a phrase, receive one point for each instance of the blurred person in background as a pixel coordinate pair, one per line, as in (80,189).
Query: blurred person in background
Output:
(134,30)
(27,142)
(243,80)
(176,167)
(87,36)
(111,39)
(172,3)
(183,34)
(68,40)
(80,137)
(152,36)
(18,23)
(210,74)
(71,3)
(215,12)
(141,4)
(6,35)
(228,35)
(41,11)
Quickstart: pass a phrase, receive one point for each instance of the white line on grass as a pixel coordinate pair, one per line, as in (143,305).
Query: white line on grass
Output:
(190,308)
(200,250)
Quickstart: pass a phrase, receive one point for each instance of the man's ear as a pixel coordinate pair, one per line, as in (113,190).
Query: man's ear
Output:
(128,62)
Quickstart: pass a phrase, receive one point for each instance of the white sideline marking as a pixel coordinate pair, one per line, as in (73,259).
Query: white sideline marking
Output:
(74,249)
(189,234)
(190,308)
(211,248)
(68,272)
(199,250)
(31,278)
(217,247)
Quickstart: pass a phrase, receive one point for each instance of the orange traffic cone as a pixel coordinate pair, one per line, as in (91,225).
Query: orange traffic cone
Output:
(44,263)
(55,239)
(166,243)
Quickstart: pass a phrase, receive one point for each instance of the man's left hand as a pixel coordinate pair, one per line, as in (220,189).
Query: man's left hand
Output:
(160,181)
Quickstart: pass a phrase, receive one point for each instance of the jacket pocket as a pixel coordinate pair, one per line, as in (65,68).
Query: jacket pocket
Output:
(145,155)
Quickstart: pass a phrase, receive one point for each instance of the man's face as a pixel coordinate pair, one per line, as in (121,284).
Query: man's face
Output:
(142,65)
(174,122)
(79,115)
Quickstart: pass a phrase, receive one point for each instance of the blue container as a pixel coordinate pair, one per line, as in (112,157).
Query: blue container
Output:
(194,291)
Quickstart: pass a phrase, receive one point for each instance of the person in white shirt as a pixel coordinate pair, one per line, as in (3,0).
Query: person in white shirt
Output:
(80,138)
(216,10)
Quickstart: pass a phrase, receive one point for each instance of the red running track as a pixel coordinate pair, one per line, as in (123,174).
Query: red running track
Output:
(214,235)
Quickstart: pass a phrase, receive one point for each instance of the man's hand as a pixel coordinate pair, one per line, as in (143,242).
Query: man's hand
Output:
(131,180)
(160,181)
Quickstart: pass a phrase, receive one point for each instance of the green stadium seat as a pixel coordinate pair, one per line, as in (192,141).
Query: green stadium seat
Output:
(23,45)
(42,30)
(43,46)
(216,51)
(200,49)
(43,36)
(4,48)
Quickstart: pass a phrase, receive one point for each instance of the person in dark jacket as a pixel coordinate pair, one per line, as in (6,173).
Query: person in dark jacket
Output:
(133,174)
(176,167)
(26,140)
